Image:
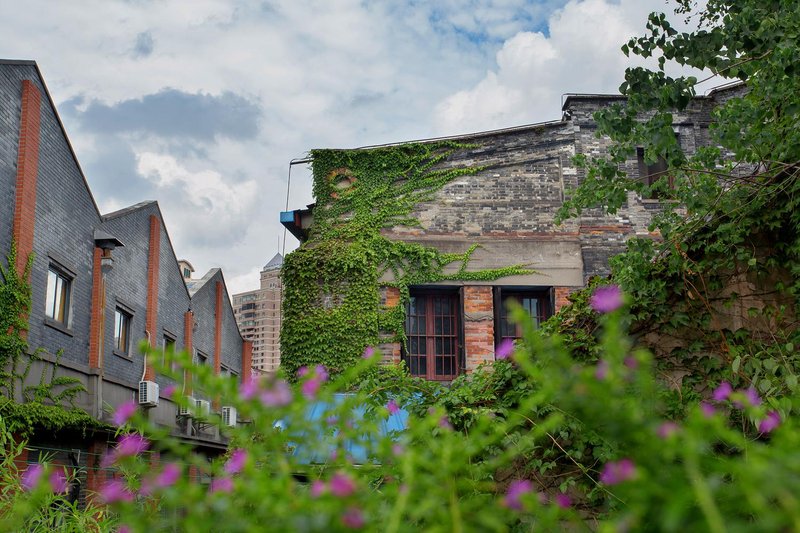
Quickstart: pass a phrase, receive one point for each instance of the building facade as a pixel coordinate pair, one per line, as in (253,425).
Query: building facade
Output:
(100,284)
(258,314)
(508,207)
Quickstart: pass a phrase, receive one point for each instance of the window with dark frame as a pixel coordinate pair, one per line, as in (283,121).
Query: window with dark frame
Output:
(201,358)
(432,333)
(169,348)
(650,173)
(58,295)
(122,331)
(535,302)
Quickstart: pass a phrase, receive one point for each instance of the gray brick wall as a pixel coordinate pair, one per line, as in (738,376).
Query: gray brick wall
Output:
(65,216)
(203,305)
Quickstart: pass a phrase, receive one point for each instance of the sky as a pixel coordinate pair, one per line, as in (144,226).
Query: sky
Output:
(202,104)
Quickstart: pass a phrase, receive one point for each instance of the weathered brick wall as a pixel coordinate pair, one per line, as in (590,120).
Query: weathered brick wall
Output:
(478,326)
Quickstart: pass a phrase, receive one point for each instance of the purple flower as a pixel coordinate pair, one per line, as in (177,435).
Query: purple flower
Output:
(31,476)
(310,387)
(58,481)
(752,397)
(392,407)
(322,373)
(318,488)
(168,477)
(221,484)
(342,485)
(707,409)
(115,490)
(249,389)
(169,390)
(131,444)
(353,518)
(124,529)
(772,421)
(515,491)
(722,392)
(617,472)
(302,371)
(563,501)
(397,450)
(369,352)
(124,412)
(444,423)
(667,429)
(279,395)
(331,420)
(236,462)
(606,299)
(504,349)
(631,362)
(601,370)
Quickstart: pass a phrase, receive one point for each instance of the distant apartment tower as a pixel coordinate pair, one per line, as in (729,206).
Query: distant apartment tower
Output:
(258,314)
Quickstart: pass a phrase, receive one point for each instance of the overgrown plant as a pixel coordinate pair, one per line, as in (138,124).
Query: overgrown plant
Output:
(338,471)
(332,282)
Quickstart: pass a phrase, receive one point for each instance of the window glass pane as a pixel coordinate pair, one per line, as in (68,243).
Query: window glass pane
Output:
(50,303)
(57,297)
(122,330)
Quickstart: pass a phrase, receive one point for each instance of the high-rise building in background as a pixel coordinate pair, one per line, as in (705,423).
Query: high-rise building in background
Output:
(258,314)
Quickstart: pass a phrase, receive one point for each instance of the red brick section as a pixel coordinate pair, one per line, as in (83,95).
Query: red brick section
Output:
(188,331)
(391,351)
(218,330)
(151,315)
(95,474)
(561,297)
(27,171)
(478,325)
(95,324)
(247,360)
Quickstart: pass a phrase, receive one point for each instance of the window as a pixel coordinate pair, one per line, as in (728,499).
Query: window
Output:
(432,331)
(650,173)
(201,358)
(58,296)
(169,348)
(535,302)
(187,273)
(122,331)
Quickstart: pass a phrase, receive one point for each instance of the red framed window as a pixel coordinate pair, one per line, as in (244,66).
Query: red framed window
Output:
(535,302)
(432,335)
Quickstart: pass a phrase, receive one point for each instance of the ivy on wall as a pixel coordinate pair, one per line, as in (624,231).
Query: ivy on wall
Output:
(332,283)
(43,404)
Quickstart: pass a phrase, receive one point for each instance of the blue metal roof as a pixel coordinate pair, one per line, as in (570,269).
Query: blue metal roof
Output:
(319,451)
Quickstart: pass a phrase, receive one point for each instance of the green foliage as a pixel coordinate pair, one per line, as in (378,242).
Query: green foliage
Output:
(42,403)
(39,510)
(544,416)
(332,282)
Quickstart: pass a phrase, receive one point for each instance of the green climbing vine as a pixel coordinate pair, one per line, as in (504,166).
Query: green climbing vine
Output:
(42,404)
(332,305)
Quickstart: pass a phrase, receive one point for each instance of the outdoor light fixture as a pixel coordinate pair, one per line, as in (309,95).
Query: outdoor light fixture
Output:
(107,243)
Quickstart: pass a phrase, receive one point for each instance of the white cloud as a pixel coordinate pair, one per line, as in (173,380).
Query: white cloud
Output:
(337,73)
(580,54)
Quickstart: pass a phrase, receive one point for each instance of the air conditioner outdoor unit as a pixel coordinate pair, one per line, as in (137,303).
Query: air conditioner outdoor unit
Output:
(229,416)
(148,393)
(202,408)
(186,410)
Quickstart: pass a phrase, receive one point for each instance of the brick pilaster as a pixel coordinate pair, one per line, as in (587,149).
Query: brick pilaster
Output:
(96,317)
(561,297)
(478,325)
(247,360)
(151,315)
(27,172)
(218,309)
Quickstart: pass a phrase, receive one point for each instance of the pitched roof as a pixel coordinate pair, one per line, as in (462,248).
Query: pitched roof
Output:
(274,263)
